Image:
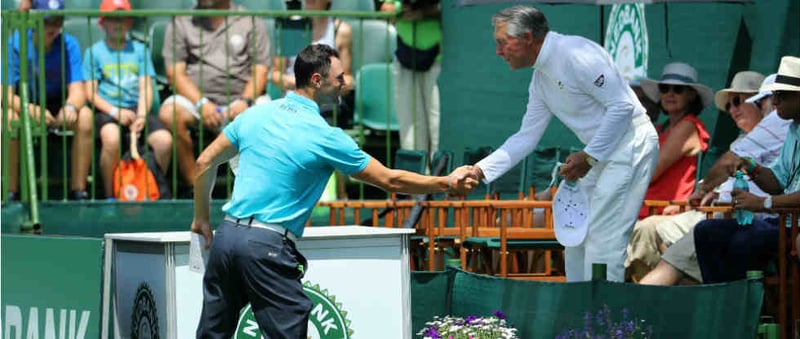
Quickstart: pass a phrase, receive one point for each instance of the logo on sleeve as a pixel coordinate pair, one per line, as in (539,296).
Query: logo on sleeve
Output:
(600,81)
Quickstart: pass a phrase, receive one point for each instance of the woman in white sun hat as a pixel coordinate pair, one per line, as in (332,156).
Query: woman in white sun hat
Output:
(681,97)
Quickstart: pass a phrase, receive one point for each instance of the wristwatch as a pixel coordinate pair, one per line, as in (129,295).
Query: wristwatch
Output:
(768,202)
(591,160)
(248,101)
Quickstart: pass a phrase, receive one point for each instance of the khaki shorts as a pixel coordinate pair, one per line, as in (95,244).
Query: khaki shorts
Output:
(683,256)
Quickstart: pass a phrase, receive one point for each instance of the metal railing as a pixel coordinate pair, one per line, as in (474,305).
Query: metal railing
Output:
(36,182)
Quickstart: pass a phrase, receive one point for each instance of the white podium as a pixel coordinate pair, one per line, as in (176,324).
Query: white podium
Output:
(358,280)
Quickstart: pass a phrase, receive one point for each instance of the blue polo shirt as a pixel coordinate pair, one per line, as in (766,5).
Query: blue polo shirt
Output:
(787,166)
(287,153)
(53,70)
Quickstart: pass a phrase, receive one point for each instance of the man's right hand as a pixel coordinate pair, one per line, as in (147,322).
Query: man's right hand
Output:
(467,171)
(203,227)
(462,187)
(210,116)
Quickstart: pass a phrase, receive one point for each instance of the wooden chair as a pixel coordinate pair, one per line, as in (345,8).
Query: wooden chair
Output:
(438,235)
(654,205)
(518,234)
(788,272)
(506,227)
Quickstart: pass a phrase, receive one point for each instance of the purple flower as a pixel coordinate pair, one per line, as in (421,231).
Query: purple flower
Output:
(587,323)
(470,319)
(499,314)
(629,326)
(432,332)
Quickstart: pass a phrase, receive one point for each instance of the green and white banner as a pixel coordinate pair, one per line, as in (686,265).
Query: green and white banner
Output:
(51,287)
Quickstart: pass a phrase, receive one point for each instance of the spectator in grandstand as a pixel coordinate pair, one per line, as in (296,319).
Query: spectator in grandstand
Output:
(288,152)
(119,73)
(58,112)
(416,69)
(762,139)
(576,80)
(725,249)
(218,69)
(683,136)
(653,111)
(334,33)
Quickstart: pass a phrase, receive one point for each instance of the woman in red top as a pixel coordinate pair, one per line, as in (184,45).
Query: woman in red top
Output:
(682,137)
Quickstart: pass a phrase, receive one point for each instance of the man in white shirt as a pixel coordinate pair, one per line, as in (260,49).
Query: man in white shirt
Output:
(576,80)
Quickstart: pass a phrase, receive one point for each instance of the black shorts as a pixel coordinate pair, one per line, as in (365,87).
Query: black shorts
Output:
(153,124)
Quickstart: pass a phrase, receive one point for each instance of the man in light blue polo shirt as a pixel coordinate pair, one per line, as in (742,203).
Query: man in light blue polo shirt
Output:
(287,152)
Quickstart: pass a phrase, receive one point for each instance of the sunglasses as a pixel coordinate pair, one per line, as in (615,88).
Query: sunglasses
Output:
(779,95)
(677,89)
(735,102)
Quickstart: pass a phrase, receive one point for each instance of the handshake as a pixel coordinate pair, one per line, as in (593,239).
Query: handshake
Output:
(463,180)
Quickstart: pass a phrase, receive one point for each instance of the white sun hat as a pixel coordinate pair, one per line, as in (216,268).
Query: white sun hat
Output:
(677,73)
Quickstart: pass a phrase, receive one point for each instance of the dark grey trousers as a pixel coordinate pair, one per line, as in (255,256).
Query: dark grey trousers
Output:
(259,266)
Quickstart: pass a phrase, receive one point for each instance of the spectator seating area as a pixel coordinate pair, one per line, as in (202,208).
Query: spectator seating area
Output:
(374,41)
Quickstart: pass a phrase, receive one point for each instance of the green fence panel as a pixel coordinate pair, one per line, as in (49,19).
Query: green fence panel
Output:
(51,287)
(95,218)
(12,215)
(429,291)
(546,309)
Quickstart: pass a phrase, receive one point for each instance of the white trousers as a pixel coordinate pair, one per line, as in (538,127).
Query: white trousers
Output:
(616,190)
(416,103)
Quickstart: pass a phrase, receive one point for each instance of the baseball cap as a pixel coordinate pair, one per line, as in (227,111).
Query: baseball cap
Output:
(47,4)
(115,5)
(769,80)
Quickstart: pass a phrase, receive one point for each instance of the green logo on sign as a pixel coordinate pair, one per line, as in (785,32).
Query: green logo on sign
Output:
(626,39)
(327,320)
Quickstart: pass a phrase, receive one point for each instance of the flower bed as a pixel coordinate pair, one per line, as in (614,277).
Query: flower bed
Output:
(471,327)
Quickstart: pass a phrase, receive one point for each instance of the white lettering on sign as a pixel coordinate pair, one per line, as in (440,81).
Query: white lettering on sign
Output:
(15,325)
(322,318)
(251,328)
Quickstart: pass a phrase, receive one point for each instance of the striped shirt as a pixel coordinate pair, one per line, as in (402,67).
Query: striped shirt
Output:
(765,141)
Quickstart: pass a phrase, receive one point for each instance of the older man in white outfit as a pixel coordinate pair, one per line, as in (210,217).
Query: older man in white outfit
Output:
(576,80)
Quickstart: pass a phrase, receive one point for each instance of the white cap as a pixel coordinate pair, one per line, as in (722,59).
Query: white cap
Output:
(769,80)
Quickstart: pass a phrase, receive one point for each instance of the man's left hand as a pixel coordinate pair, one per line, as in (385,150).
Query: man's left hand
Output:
(575,167)
(743,200)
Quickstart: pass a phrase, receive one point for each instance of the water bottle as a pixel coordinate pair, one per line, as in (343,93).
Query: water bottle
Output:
(223,112)
(743,216)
